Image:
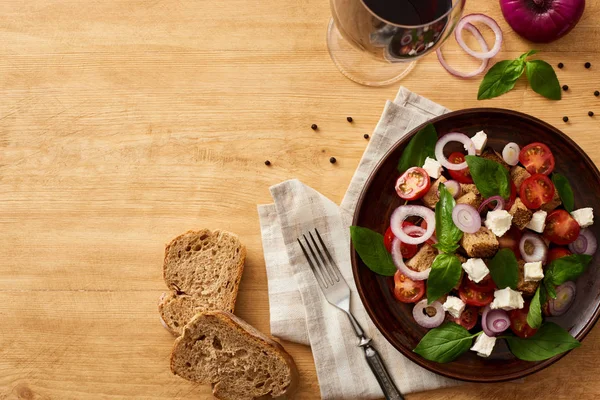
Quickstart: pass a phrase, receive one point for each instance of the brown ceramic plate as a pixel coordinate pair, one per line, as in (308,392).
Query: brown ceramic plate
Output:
(378,199)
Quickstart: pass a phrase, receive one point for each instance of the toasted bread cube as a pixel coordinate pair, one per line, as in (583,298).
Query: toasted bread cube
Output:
(469,188)
(527,287)
(433,195)
(521,214)
(481,244)
(490,154)
(518,175)
(552,204)
(423,259)
(471,199)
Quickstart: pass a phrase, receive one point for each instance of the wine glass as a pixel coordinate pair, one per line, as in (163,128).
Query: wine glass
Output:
(376,42)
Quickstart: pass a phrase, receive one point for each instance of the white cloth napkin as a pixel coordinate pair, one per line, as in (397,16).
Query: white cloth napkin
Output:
(299,312)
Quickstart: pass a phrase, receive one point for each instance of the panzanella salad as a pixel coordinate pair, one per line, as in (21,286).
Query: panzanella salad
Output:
(483,239)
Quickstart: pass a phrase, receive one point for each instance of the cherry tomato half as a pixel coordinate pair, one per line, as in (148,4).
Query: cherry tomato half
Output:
(462,175)
(474,297)
(485,285)
(558,252)
(536,190)
(406,290)
(413,184)
(537,158)
(511,240)
(518,322)
(561,227)
(407,250)
(468,318)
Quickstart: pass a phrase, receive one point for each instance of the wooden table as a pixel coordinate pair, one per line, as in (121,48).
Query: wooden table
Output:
(124,123)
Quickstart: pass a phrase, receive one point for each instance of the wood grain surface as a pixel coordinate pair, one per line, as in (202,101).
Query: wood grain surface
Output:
(124,123)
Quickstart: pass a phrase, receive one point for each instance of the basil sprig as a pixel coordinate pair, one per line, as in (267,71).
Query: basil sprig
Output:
(504,269)
(565,192)
(421,146)
(547,342)
(566,268)
(445,343)
(448,234)
(490,177)
(369,246)
(444,275)
(534,316)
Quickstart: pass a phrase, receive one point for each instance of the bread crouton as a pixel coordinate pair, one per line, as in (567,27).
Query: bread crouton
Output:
(490,154)
(433,195)
(481,244)
(527,287)
(552,204)
(471,199)
(520,213)
(469,188)
(423,259)
(518,175)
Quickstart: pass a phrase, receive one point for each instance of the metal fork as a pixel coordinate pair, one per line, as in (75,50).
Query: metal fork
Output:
(336,291)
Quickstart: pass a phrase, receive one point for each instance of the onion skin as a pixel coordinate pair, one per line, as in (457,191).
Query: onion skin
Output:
(542,21)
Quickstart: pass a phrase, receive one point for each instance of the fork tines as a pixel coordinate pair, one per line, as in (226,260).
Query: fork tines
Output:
(324,267)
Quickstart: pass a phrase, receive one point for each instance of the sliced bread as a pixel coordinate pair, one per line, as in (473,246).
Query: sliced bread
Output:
(239,362)
(203,271)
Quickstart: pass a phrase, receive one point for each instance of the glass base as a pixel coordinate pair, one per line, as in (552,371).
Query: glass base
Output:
(360,66)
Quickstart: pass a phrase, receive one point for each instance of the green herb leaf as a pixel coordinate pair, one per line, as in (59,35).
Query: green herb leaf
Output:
(550,289)
(504,269)
(500,78)
(445,343)
(447,232)
(548,341)
(529,53)
(421,146)
(564,191)
(567,268)
(444,275)
(491,178)
(369,246)
(534,317)
(543,80)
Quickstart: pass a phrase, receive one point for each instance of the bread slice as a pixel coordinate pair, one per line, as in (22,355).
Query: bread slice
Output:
(239,362)
(203,269)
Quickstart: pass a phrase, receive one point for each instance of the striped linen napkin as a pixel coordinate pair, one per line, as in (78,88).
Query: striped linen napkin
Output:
(299,312)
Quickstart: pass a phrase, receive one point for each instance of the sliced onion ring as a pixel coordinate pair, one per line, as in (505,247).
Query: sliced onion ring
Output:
(402,267)
(466,218)
(565,296)
(403,212)
(540,250)
(487,21)
(417,231)
(425,320)
(484,63)
(499,203)
(494,322)
(585,243)
(510,153)
(454,188)
(453,137)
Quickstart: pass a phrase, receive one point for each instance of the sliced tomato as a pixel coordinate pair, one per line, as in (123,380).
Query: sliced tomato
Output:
(558,252)
(406,290)
(475,297)
(485,285)
(511,240)
(518,322)
(537,158)
(413,184)
(407,250)
(561,227)
(462,175)
(513,196)
(468,318)
(536,190)
(388,238)
(430,241)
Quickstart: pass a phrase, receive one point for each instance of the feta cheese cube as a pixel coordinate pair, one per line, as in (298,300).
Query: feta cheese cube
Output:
(484,345)
(475,269)
(584,216)
(538,221)
(507,299)
(533,271)
(498,221)
(479,140)
(454,306)
(433,167)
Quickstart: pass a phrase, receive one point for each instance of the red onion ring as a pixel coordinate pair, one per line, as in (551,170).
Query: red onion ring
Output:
(417,231)
(540,250)
(454,188)
(403,212)
(484,63)
(402,267)
(494,322)
(585,243)
(510,153)
(499,203)
(425,320)
(453,137)
(466,218)
(565,296)
(487,21)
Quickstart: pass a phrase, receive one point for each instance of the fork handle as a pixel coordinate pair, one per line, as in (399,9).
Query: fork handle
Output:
(383,377)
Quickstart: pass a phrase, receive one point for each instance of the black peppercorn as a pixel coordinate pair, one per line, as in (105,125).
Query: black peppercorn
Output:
(267,163)
(566,119)
(596,93)
(349,119)
(587,65)
(561,65)
(366,135)
(591,113)
(332,160)
(565,88)
(314,127)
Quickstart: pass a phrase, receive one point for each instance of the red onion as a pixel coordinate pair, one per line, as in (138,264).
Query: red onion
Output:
(484,63)
(425,320)
(494,322)
(453,137)
(565,296)
(510,153)
(487,21)
(402,267)
(542,21)
(499,203)
(403,212)
(585,243)
(540,250)
(454,188)
(466,218)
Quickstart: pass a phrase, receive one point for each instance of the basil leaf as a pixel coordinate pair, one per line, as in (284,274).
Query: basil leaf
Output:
(491,178)
(568,268)
(500,78)
(444,275)
(550,289)
(421,146)
(504,269)
(564,191)
(447,232)
(369,246)
(534,317)
(548,341)
(543,80)
(445,343)
(529,53)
